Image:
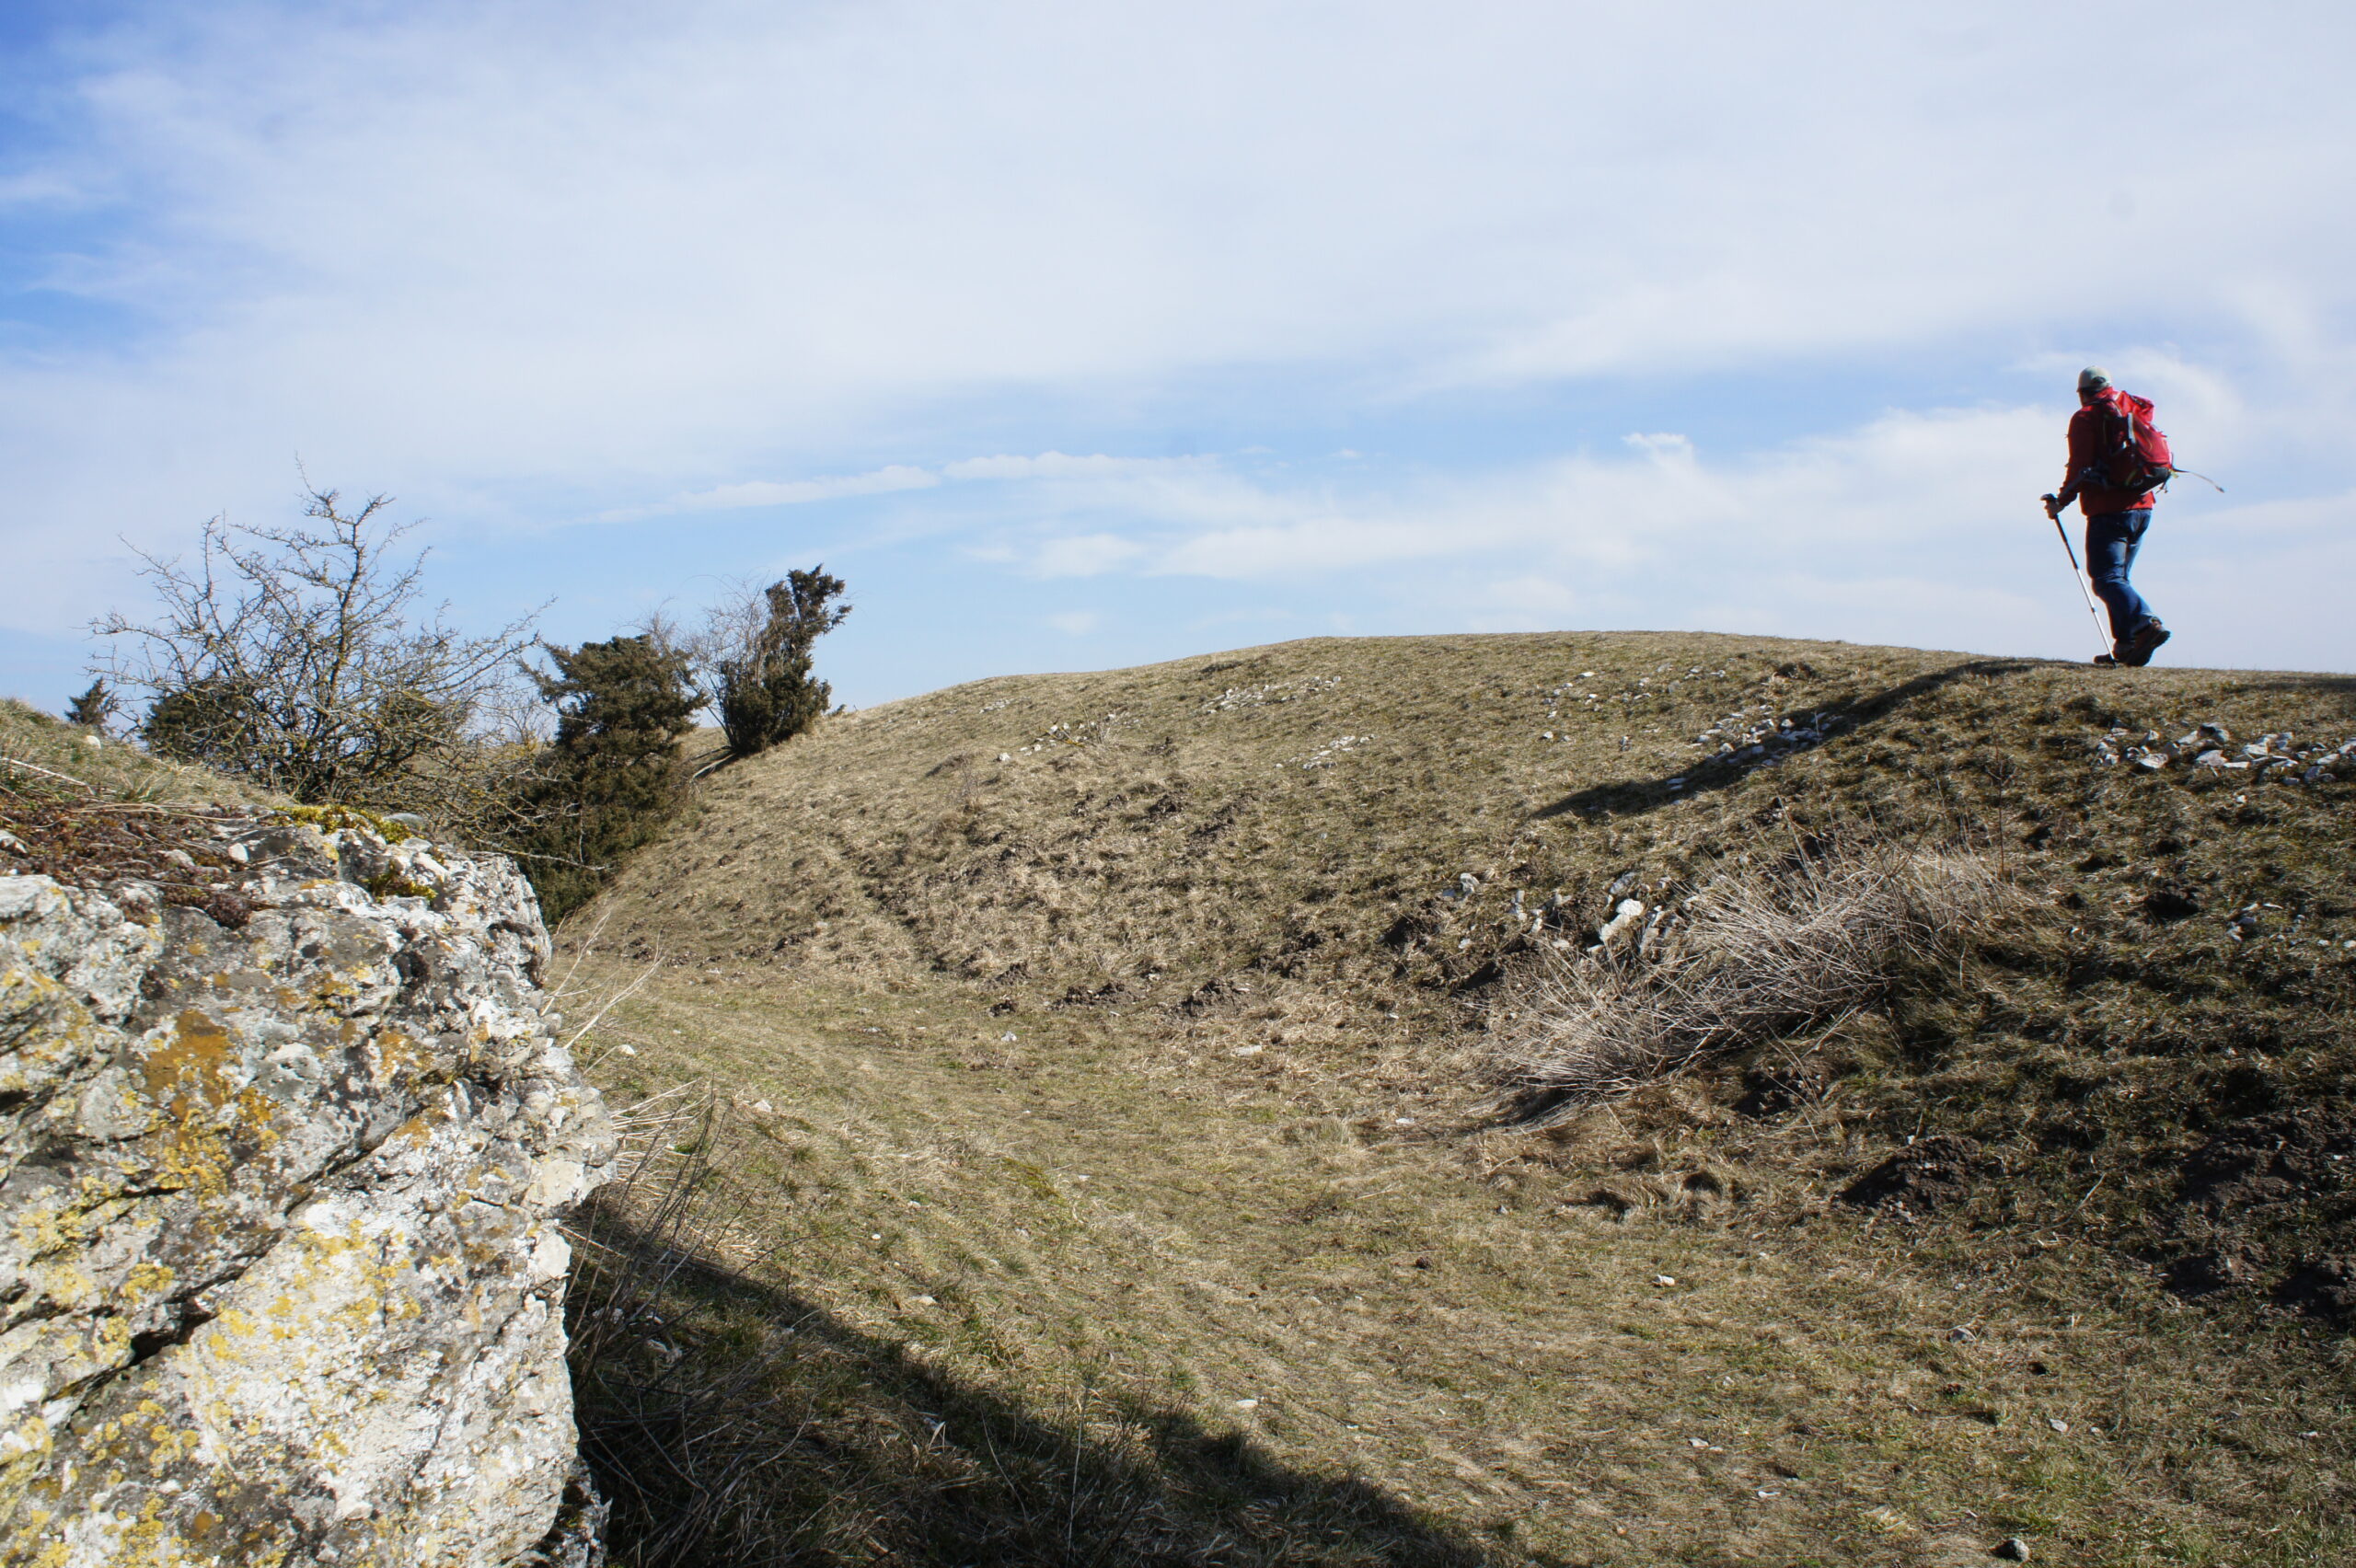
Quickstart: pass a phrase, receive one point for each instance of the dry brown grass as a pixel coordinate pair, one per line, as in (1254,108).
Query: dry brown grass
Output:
(1247,995)
(1756,956)
(1021,1297)
(44,757)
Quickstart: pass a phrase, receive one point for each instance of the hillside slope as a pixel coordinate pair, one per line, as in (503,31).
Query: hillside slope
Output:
(1236,937)
(43,756)
(1328,848)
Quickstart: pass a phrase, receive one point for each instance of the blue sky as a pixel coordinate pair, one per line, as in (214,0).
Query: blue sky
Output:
(1077,336)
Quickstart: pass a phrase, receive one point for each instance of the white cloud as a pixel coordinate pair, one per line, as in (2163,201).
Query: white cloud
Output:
(1084,555)
(1061,465)
(1911,479)
(1917,529)
(784,492)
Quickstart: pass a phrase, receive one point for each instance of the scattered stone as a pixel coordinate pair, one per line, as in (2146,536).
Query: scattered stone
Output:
(2277,755)
(1622,921)
(1234,697)
(2011,1548)
(1334,750)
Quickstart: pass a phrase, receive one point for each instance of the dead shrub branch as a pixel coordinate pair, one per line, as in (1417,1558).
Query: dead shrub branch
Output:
(1759,956)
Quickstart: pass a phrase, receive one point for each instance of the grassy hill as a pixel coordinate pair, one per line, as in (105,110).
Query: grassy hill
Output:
(1109,1051)
(43,757)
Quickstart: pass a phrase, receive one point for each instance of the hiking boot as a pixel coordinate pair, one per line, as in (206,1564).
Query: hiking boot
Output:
(2106,661)
(2137,650)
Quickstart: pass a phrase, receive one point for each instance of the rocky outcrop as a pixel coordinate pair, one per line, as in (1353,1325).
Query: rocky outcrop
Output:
(280,1275)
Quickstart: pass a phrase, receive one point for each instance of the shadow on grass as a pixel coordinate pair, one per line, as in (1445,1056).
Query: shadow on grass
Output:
(2334,686)
(1846,718)
(731,1422)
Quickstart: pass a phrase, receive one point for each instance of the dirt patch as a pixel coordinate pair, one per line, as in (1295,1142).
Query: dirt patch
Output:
(1921,1177)
(1782,1086)
(2255,1194)
(2324,1288)
(2286,1157)
(2214,1270)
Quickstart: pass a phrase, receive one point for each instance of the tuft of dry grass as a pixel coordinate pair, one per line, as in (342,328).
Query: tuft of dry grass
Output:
(1757,955)
(678,1416)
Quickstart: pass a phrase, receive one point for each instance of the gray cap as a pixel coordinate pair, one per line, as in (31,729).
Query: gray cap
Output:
(2092,377)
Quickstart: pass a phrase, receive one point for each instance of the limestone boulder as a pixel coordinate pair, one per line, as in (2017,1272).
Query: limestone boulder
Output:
(281,1264)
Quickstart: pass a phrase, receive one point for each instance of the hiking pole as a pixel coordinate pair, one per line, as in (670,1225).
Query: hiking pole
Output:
(2078,575)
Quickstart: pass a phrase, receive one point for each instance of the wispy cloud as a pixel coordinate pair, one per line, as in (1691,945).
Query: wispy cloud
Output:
(781,493)
(1063,466)
(1097,470)
(1084,555)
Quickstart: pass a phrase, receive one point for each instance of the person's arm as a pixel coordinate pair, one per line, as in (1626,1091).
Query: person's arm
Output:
(2079,458)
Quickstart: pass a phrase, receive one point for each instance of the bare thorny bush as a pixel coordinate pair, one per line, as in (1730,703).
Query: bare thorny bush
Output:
(1756,955)
(294,657)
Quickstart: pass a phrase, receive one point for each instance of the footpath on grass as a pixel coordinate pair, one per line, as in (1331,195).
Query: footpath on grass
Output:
(1409,1345)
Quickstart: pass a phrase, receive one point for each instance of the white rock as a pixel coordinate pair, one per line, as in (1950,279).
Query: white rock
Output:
(1622,921)
(321,1158)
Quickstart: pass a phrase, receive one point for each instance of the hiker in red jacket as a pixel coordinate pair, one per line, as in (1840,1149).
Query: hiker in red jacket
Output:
(2115,522)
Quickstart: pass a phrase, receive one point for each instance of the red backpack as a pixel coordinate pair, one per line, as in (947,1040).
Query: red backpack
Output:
(2131,453)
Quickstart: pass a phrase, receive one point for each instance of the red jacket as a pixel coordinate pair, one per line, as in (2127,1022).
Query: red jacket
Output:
(2092,500)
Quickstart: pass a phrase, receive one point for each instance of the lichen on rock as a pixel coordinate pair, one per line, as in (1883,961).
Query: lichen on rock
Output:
(280,1271)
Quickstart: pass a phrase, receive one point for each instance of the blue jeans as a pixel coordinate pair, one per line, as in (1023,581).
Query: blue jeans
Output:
(2112,539)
